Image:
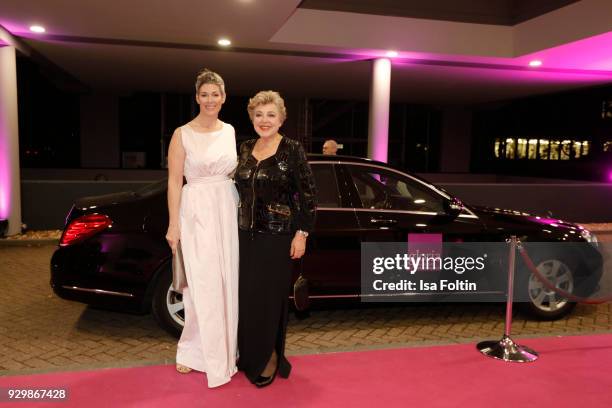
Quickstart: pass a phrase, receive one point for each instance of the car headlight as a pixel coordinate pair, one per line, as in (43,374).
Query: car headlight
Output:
(589,237)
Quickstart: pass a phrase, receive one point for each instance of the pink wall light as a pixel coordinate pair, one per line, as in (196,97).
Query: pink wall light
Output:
(5,180)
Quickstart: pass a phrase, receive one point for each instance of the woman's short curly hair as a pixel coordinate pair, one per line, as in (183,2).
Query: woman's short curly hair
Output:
(264,98)
(206,76)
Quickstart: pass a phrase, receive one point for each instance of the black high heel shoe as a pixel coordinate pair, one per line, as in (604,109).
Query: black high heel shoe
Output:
(265,381)
(283,369)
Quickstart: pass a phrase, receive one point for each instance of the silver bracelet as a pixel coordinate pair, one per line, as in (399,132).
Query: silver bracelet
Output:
(304,233)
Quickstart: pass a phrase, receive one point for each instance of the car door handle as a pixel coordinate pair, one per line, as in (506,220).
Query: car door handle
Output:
(382,221)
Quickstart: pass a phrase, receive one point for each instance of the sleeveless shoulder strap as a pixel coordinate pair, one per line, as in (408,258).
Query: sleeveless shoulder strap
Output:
(185,133)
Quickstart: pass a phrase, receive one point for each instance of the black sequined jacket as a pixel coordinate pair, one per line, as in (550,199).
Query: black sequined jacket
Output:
(277,195)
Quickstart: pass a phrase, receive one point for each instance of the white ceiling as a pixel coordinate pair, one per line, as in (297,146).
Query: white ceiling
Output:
(158,45)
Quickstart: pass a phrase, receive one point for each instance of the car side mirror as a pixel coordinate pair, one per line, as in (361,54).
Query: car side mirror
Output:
(453,207)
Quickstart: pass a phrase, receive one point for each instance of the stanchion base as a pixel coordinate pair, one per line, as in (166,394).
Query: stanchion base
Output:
(506,349)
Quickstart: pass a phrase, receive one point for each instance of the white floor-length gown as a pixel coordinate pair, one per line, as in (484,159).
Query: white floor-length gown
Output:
(209,243)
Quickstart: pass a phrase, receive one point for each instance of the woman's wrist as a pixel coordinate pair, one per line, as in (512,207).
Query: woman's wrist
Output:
(302,233)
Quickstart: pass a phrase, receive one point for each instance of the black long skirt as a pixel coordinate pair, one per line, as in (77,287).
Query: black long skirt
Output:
(265,278)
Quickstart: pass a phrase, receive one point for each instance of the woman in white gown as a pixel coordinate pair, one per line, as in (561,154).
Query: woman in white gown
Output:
(203,228)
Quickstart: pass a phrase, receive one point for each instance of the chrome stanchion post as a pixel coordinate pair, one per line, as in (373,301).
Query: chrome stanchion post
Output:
(506,349)
(510,296)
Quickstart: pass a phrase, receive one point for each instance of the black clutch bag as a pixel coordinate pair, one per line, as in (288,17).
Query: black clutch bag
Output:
(300,293)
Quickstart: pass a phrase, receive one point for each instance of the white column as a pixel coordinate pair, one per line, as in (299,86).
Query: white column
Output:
(378,124)
(10,189)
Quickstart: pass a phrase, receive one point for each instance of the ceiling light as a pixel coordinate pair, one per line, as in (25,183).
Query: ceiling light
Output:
(224,42)
(37,29)
(391,54)
(535,63)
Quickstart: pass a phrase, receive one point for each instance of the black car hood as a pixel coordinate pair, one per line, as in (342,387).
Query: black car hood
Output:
(521,222)
(91,202)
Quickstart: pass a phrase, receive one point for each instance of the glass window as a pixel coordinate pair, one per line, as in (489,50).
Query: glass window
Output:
(577,149)
(566,146)
(381,189)
(544,149)
(521,151)
(533,146)
(327,186)
(510,148)
(554,150)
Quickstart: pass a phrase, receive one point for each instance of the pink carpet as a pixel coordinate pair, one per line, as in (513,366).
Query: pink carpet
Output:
(571,372)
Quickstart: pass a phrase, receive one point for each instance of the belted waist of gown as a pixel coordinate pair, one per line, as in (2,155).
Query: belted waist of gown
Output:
(208,180)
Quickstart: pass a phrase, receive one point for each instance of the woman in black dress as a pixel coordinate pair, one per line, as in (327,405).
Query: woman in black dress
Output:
(277,209)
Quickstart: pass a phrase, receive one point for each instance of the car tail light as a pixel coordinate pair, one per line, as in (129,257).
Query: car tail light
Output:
(84,227)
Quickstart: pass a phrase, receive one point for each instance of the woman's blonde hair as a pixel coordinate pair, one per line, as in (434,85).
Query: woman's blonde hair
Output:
(206,76)
(264,98)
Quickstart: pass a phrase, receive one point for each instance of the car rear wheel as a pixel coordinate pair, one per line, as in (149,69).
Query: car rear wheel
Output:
(544,303)
(167,306)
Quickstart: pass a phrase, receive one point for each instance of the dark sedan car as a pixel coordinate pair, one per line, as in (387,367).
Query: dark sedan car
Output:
(113,252)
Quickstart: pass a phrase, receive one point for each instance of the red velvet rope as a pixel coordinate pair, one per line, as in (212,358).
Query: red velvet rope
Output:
(551,286)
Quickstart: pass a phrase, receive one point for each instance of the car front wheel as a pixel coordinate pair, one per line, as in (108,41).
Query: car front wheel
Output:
(544,303)
(167,306)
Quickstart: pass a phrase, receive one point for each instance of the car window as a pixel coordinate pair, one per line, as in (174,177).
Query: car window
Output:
(327,186)
(381,189)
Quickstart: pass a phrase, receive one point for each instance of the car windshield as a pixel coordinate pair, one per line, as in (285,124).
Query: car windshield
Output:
(153,188)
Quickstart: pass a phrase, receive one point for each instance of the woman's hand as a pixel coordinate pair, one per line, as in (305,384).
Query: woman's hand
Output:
(172,236)
(298,246)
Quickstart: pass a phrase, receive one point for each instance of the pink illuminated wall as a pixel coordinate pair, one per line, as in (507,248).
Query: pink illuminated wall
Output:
(5,175)
(10,206)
